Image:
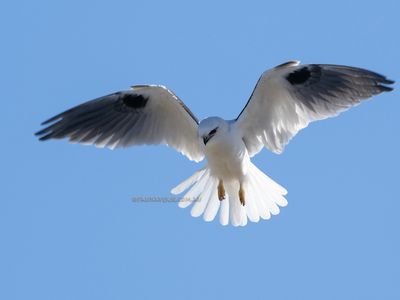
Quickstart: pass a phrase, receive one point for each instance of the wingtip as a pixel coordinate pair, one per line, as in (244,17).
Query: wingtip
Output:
(45,137)
(43,131)
(40,132)
(385,88)
(389,81)
(44,134)
(52,119)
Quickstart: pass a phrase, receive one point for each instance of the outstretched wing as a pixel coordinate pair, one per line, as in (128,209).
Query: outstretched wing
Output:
(290,96)
(146,114)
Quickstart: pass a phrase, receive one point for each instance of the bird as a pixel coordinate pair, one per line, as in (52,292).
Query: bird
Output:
(285,99)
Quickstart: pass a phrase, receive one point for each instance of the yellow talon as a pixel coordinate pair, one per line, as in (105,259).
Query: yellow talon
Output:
(221,190)
(242,195)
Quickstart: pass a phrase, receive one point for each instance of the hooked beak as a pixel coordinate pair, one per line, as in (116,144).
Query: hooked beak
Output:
(206,139)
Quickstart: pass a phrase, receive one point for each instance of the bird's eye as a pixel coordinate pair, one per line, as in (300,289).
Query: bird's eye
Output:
(213,131)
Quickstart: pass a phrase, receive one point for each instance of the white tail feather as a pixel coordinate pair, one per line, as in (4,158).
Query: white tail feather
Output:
(188,182)
(201,203)
(263,197)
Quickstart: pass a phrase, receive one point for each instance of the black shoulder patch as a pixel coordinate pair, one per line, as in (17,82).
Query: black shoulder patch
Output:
(134,101)
(299,76)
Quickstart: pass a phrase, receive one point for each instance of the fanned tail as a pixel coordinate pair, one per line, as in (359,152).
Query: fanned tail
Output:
(263,197)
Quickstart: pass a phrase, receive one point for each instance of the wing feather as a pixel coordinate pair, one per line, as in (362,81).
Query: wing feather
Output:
(146,114)
(290,96)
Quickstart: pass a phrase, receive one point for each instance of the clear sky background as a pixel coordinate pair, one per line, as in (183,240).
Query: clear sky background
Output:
(68,228)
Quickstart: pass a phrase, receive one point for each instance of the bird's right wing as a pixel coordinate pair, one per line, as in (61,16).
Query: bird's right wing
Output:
(147,114)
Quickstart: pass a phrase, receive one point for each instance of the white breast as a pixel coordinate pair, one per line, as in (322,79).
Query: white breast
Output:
(227,156)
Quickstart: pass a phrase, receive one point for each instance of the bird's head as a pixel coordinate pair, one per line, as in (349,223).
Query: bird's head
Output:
(212,127)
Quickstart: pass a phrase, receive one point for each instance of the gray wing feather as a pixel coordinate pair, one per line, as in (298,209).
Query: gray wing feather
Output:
(143,115)
(331,88)
(290,96)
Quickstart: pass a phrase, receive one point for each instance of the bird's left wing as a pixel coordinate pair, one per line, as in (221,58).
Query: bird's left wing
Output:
(146,114)
(290,96)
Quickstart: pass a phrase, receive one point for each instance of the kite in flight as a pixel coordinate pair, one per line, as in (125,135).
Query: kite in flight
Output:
(285,99)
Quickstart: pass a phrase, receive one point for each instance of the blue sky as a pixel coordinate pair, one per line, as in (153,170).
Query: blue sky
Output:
(68,228)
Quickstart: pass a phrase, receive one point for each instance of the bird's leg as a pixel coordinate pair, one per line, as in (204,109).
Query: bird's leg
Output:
(221,190)
(242,195)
